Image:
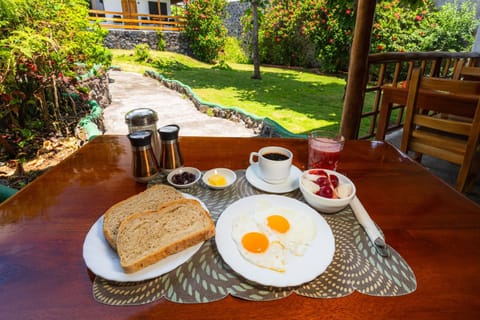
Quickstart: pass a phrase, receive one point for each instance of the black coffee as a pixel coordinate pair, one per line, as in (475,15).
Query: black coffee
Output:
(275,156)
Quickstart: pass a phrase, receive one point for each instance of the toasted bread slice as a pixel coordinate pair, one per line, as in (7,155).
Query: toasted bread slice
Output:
(150,199)
(147,237)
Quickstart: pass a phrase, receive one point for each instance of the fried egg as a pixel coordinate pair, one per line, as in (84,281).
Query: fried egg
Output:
(255,245)
(295,231)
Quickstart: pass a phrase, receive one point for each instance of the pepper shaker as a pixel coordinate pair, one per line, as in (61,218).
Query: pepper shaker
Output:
(171,156)
(144,163)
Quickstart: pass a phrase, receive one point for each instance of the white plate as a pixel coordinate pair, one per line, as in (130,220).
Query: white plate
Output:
(102,260)
(290,184)
(299,270)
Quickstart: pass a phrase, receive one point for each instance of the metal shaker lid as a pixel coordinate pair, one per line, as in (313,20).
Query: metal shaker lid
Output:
(140,138)
(169,132)
(141,117)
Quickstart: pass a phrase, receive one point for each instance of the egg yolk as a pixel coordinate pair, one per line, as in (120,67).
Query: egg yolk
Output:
(278,223)
(255,242)
(217,180)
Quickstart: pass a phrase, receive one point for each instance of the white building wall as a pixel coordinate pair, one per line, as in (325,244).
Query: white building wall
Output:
(142,5)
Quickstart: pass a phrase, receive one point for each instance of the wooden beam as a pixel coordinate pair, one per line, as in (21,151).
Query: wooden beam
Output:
(357,70)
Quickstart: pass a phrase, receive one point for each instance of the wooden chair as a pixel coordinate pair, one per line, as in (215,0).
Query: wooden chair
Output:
(465,72)
(449,137)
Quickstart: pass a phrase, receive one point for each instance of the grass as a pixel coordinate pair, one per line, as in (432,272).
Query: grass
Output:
(298,101)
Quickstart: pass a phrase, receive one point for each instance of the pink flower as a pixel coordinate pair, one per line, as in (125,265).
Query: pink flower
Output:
(348,11)
(397,15)
(331,40)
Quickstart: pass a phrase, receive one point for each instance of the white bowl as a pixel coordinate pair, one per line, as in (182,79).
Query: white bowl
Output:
(183,170)
(229,175)
(322,204)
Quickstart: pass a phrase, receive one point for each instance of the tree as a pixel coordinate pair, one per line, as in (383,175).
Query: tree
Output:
(256,54)
(252,19)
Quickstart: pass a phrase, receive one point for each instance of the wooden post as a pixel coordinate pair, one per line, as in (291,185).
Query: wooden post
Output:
(357,70)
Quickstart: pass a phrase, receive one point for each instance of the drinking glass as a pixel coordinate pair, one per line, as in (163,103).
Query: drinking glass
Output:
(324,149)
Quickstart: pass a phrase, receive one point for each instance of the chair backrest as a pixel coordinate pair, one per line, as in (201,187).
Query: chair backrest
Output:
(465,72)
(447,137)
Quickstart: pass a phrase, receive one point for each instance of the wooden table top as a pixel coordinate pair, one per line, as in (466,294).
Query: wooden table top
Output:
(43,227)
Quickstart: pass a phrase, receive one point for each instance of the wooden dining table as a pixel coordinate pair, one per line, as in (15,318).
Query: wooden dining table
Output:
(43,228)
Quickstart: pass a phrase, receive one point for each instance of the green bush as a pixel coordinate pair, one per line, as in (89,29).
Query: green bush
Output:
(319,32)
(44,45)
(234,52)
(204,28)
(141,52)
(453,28)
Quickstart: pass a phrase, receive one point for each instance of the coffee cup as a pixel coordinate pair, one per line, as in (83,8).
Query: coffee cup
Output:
(274,163)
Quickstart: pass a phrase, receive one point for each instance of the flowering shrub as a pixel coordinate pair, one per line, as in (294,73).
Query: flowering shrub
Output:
(204,28)
(43,46)
(319,32)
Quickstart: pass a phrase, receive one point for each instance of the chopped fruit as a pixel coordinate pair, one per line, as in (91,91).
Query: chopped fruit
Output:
(318,172)
(322,181)
(343,190)
(318,182)
(334,180)
(326,192)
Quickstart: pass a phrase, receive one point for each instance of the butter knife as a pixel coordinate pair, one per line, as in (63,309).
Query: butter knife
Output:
(369,226)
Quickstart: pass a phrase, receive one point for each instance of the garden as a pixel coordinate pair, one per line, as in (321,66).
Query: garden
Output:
(48,47)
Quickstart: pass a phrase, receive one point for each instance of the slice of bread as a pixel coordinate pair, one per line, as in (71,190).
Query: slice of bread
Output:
(150,199)
(147,237)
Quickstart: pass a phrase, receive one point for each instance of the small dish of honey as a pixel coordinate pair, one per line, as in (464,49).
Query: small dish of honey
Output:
(219,178)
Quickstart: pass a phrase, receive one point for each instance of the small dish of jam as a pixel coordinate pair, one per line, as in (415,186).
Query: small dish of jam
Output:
(184,177)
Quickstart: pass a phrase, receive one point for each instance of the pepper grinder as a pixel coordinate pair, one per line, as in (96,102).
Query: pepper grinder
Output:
(144,163)
(142,119)
(171,157)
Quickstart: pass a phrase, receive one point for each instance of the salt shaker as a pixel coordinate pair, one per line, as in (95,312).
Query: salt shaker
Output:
(144,163)
(144,119)
(171,156)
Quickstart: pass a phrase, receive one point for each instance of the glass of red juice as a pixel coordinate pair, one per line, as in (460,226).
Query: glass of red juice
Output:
(324,149)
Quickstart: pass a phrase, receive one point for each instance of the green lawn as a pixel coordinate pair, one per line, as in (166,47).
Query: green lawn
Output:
(298,101)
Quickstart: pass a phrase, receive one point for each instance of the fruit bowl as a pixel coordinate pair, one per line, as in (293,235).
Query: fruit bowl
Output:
(325,190)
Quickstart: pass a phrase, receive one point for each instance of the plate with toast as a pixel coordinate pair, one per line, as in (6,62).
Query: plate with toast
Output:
(147,235)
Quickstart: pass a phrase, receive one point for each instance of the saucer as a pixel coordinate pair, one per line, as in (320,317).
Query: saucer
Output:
(253,176)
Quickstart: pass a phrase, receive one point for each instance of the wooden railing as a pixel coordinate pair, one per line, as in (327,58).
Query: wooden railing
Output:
(137,21)
(395,68)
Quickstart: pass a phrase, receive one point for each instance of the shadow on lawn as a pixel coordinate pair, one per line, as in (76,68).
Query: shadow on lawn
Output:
(321,99)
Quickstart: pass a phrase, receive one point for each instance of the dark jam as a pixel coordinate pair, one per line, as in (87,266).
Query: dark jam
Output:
(183,178)
(275,156)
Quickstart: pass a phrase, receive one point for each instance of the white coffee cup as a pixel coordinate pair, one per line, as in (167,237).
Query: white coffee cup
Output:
(274,163)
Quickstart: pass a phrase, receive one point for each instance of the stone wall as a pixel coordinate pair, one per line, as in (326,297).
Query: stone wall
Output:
(128,39)
(234,11)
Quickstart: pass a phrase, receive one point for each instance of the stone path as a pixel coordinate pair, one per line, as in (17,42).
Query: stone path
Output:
(132,90)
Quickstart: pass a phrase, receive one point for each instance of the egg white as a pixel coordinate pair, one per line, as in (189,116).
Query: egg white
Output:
(273,258)
(301,233)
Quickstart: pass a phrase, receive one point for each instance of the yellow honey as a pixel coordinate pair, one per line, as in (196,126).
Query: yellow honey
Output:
(217,180)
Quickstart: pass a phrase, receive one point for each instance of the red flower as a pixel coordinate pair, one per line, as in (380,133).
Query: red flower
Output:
(418,18)
(380,47)
(348,11)
(331,40)
(397,15)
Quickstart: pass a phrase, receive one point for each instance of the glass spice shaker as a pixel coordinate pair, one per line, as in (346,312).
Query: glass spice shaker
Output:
(171,156)
(141,119)
(144,163)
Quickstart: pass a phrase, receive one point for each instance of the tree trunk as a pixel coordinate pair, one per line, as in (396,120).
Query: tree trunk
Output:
(357,70)
(256,56)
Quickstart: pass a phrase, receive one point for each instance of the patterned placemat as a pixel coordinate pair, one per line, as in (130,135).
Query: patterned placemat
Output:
(356,266)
